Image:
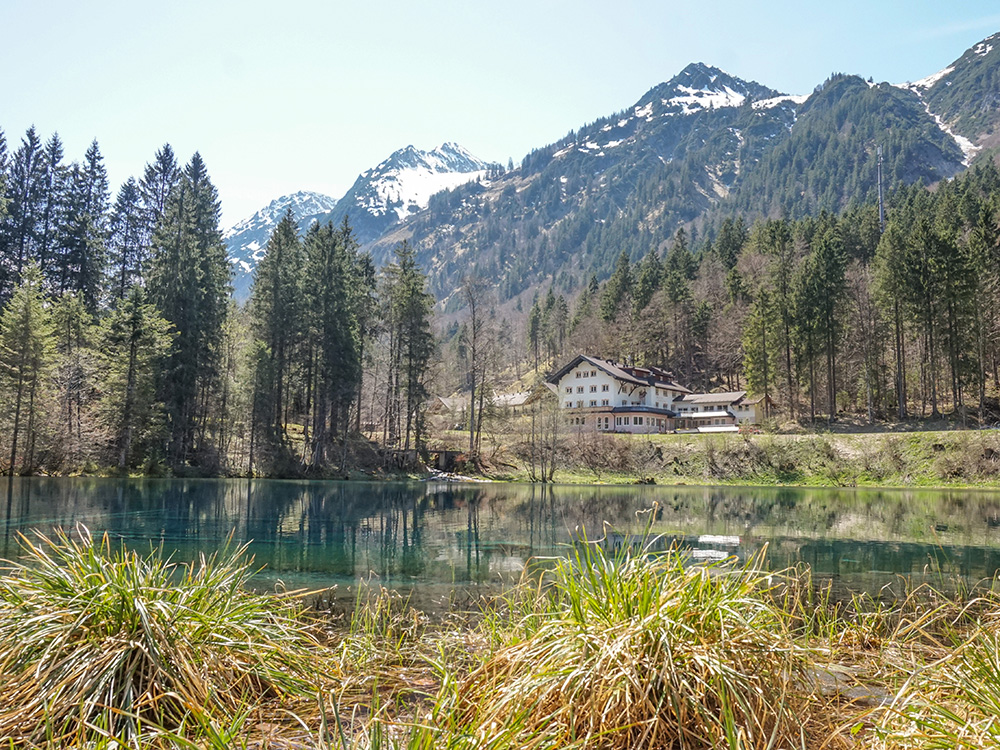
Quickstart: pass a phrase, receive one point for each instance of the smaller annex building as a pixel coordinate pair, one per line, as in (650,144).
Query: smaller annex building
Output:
(611,397)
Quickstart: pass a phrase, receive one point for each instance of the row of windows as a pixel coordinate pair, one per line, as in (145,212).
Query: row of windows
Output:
(593,389)
(586,374)
(593,402)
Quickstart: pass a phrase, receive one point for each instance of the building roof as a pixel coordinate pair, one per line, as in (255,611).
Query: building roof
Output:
(452,402)
(641,410)
(519,398)
(725,397)
(644,376)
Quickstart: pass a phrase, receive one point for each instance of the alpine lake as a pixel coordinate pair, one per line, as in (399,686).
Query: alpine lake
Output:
(442,544)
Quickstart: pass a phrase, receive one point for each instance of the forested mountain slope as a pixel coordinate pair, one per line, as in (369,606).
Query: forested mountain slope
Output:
(694,150)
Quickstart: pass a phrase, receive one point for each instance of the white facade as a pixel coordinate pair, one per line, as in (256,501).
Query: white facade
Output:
(602,395)
(608,397)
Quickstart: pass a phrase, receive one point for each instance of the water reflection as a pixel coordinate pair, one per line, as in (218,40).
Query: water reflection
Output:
(422,535)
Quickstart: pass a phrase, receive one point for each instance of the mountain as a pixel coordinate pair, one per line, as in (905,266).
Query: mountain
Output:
(402,185)
(964,98)
(693,150)
(624,182)
(247,240)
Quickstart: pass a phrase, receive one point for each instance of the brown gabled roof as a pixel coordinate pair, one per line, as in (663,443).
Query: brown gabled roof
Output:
(647,376)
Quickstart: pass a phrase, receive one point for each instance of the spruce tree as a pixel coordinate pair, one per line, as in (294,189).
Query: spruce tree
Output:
(85,233)
(276,305)
(26,351)
(73,336)
(135,341)
(158,180)
(53,208)
(127,241)
(25,191)
(333,336)
(190,283)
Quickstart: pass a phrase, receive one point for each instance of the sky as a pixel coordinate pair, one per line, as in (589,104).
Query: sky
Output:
(306,94)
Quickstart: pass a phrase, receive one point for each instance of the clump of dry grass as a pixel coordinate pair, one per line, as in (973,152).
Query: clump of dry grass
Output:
(97,642)
(636,650)
(953,699)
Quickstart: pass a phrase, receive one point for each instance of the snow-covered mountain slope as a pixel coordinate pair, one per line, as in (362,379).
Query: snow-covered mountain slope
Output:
(964,98)
(246,242)
(403,184)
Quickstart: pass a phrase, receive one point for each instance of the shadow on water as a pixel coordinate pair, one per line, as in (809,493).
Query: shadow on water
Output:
(435,538)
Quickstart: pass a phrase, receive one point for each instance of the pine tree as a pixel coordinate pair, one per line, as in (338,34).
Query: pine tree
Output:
(618,290)
(534,330)
(759,344)
(650,278)
(26,350)
(158,180)
(189,283)
(679,258)
(333,338)
(19,235)
(53,211)
(85,233)
(276,303)
(135,342)
(128,240)
(74,346)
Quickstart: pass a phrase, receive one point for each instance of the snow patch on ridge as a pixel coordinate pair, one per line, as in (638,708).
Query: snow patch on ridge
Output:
(925,83)
(692,100)
(968,147)
(404,183)
(777,100)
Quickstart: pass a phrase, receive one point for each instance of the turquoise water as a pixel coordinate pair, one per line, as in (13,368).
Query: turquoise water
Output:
(436,539)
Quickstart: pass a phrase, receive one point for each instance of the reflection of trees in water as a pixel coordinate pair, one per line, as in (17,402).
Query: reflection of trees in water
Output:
(462,533)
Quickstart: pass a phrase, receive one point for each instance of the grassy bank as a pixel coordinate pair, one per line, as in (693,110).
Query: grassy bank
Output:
(908,459)
(102,648)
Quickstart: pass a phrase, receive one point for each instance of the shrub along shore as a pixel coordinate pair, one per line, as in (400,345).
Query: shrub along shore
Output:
(946,458)
(103,648)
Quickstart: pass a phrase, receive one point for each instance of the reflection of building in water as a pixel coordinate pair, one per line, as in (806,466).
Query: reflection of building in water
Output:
(311,534)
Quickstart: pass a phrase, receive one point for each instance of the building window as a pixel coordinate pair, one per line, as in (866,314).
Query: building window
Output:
(569,389)
(579,404)
(593,389)
(638,420)
(578,374)
(583,420)
(618,420)
(579,389)
(569,404)
(627,421)
(593,403)
(593,373)
(604,402)
(605,387)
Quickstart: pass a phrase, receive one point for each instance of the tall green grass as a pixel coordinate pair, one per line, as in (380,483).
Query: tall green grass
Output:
(99,642)
(642,649)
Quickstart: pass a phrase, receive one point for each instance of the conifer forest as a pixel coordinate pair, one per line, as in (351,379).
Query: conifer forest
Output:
(122,349)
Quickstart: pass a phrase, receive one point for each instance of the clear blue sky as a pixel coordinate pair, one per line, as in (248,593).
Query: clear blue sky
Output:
(305,94)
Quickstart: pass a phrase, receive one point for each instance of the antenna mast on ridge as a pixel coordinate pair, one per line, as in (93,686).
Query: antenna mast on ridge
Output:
(881,206)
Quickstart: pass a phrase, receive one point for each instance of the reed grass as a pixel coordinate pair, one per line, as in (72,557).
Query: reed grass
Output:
(99,642)
(635,649)
(609,647)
